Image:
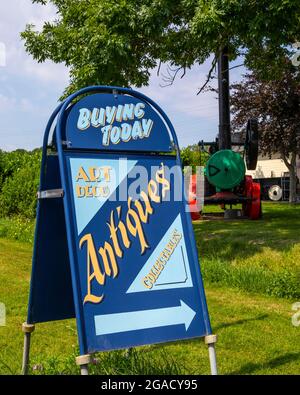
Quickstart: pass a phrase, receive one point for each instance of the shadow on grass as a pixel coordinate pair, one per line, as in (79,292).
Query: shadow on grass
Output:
(250,368)
(215,329)
(239,322)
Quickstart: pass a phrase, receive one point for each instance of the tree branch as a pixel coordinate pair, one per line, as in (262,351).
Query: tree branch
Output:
(235,67)
(172,73)
(158,70)
(209,77)
(284,158)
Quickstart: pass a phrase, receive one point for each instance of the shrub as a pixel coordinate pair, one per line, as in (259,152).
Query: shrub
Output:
(191,156)
(11,162)
(18,192)
(17,228)
(285,285)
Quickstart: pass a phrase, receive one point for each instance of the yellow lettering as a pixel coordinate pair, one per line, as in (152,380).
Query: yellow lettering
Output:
(88,191)
(137,214)
(82,175)
(160,178)
(80,191)
(144,214)
(108,252)
(106,172)
(135,228)
(92,261)
(113,235)
(123,230)
(152,191)
(97,191)
(146,283)
(94,176)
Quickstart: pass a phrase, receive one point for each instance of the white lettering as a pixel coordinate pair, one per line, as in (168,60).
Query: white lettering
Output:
(84,119)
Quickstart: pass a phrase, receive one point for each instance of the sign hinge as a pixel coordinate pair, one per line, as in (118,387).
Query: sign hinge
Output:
(50,194)
(66,143)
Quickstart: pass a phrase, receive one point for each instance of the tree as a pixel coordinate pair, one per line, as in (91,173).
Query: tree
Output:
(118,42)
(276,104)
(193,156)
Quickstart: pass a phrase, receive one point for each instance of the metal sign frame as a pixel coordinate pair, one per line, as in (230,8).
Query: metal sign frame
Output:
(60,195)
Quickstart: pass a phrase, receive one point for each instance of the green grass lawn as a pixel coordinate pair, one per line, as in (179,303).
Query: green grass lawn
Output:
(257,256)
(255,332)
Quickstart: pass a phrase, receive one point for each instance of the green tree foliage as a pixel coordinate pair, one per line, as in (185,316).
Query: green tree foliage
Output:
(19,171)
(118,42)
(192,156)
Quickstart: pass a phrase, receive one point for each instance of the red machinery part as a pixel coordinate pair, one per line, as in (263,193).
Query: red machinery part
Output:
(252,208)
(195,214)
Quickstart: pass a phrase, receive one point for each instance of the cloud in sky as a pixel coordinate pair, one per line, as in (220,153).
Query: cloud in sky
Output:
(29,91)
(15,14)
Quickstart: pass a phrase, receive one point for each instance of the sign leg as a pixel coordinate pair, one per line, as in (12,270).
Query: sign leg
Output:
(83,361)
(27,329)
(210,340)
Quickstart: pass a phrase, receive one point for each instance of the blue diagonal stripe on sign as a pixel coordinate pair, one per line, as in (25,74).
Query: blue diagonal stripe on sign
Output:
(86,207)
(173,271)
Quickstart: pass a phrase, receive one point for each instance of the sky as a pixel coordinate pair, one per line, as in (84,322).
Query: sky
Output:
(29,91)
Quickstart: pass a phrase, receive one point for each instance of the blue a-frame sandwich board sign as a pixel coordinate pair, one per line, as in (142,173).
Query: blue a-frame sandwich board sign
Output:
(117,254)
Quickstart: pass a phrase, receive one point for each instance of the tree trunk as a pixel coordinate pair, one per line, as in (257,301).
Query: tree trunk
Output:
(293,185)
(293,176)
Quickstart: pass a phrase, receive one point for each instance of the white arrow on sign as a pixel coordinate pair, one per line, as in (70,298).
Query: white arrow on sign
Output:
(144,319)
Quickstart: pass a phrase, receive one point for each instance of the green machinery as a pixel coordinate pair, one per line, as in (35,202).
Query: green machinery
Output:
(226,182)
(225,170)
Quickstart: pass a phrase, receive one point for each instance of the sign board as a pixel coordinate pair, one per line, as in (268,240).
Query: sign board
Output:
(114,244)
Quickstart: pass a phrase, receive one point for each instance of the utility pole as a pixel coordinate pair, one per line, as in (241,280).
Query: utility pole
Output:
(224,109)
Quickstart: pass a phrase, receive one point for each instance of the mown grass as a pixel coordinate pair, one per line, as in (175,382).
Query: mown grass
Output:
(255,332)
(255,336)
(257,256)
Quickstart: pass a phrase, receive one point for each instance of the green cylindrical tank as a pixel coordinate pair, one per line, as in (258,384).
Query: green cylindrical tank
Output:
(225,169)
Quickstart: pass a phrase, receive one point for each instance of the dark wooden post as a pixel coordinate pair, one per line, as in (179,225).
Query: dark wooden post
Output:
(224,109)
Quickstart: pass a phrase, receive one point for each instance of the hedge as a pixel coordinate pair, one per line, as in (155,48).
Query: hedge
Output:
(19,180)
